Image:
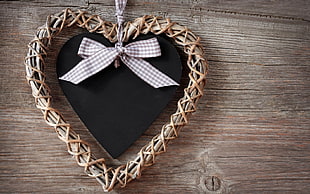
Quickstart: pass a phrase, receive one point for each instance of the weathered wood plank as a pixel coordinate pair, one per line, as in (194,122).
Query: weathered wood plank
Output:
(297,10)
(251,129)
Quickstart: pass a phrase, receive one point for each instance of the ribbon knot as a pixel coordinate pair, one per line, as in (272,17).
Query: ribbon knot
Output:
(97,57)
(120,18)
(120,48)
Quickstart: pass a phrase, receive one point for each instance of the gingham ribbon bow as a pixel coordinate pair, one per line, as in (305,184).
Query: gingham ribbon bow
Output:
(97,57)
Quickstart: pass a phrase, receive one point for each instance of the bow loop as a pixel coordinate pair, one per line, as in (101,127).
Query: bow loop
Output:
(144,48)
(89,47)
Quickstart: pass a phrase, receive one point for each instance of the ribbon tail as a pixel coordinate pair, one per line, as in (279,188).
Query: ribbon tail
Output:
(90,66)
(147,72)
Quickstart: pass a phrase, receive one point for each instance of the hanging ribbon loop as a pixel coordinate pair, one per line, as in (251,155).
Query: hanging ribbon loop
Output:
(119,13)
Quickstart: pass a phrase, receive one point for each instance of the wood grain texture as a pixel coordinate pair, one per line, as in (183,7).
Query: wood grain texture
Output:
(251,133)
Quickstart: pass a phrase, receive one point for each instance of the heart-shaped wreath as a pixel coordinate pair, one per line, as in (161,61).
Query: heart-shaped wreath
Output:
(35,62)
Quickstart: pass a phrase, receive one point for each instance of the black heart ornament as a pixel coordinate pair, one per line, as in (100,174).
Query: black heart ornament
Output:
(114,104)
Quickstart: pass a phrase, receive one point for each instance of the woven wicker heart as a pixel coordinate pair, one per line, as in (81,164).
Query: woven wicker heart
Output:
(115,104)
(35,61)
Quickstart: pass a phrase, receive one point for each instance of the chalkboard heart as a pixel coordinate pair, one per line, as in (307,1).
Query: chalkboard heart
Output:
(116,105)
(35,61)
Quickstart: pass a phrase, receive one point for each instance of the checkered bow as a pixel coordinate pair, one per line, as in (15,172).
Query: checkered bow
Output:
(97,57)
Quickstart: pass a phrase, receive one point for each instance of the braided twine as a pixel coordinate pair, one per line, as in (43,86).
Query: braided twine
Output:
(34,62)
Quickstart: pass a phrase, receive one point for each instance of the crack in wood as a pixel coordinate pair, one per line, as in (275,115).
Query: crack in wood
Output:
(257,15)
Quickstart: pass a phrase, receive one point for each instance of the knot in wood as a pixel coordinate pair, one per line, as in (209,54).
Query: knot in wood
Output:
(213,183)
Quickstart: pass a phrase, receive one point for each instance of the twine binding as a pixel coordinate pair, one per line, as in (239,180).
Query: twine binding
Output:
(34,62)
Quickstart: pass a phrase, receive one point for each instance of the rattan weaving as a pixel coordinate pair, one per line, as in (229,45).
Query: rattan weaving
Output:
(34,62)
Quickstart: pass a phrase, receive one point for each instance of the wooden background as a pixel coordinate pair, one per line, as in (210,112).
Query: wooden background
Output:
(251,132)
